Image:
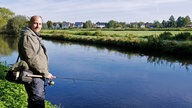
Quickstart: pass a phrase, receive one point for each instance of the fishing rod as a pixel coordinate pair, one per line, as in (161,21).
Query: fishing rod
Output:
(67,78)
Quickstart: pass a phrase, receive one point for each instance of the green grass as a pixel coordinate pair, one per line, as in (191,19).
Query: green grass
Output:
(138,33)
(108,33)
(13,95)
(174,43)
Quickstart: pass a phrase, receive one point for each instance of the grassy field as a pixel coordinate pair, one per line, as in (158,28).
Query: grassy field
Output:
(139,33)
(173,43)
(108,33)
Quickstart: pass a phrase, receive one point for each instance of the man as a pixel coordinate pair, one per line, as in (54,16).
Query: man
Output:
(32,51)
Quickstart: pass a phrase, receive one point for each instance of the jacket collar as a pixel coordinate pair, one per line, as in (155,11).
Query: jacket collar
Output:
(35,34)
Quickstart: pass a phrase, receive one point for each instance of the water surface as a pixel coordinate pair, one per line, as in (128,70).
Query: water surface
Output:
(105,78)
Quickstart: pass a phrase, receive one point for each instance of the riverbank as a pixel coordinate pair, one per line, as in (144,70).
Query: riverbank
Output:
(13,95)
(165,43)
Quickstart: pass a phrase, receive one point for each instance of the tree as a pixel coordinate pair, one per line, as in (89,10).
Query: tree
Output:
(187,20)
(88,24)
(44,26)
(113,24)
(172,22)
(49,24)
(5,15)
(123,24)
(134,25)
(164,24)
(180,22)
(60,24)
(140,24)
(16,24)
(157,24)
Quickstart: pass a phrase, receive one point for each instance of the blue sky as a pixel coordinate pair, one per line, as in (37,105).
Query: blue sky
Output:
(101,10)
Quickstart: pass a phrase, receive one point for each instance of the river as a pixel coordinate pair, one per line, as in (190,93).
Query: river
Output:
(97,77)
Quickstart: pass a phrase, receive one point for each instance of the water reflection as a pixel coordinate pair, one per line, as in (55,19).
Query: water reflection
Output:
(7,45)
(153,59)
(170,61)
(128,79)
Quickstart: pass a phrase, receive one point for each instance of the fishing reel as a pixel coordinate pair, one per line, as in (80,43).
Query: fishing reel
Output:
(51,82)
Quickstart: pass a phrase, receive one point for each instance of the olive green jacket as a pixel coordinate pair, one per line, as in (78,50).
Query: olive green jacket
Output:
(32,51)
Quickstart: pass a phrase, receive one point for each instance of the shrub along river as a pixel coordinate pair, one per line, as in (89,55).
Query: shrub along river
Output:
(97,77)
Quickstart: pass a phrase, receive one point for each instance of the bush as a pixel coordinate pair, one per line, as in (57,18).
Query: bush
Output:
(2,69)
(16,24)
(86,33)
(183,36)
(13,95)
(98,33)
(165,35)
(154,43)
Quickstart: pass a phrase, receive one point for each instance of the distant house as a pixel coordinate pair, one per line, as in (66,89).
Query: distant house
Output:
(149,25)
(189,26)
(142,26)
(72,25)
(66,25)
(56,26)
(100,24)
(78,24)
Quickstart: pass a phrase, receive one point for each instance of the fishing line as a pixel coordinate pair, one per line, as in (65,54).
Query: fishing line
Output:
(76,79)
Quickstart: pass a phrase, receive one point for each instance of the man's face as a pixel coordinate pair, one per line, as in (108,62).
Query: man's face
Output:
(36,24)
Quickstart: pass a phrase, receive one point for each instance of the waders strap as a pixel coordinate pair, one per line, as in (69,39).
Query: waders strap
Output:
(17,58)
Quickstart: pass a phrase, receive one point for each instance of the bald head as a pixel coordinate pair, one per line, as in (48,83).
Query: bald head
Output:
(34,17)
(36,23)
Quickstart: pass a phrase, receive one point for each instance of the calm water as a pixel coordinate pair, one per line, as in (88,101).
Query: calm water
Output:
(109,79)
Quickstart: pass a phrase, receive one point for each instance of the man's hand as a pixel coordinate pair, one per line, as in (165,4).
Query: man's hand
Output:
(50,76)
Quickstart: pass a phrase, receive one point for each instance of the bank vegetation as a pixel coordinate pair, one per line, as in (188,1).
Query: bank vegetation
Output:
(13,95)
(171,43)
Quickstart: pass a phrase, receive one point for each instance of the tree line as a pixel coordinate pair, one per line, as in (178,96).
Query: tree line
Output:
(12,24)
(170,23)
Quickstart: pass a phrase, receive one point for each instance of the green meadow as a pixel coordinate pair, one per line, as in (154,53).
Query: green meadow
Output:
(172,43)
(107,32)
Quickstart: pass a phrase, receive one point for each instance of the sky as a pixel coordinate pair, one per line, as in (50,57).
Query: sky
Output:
(101,10)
